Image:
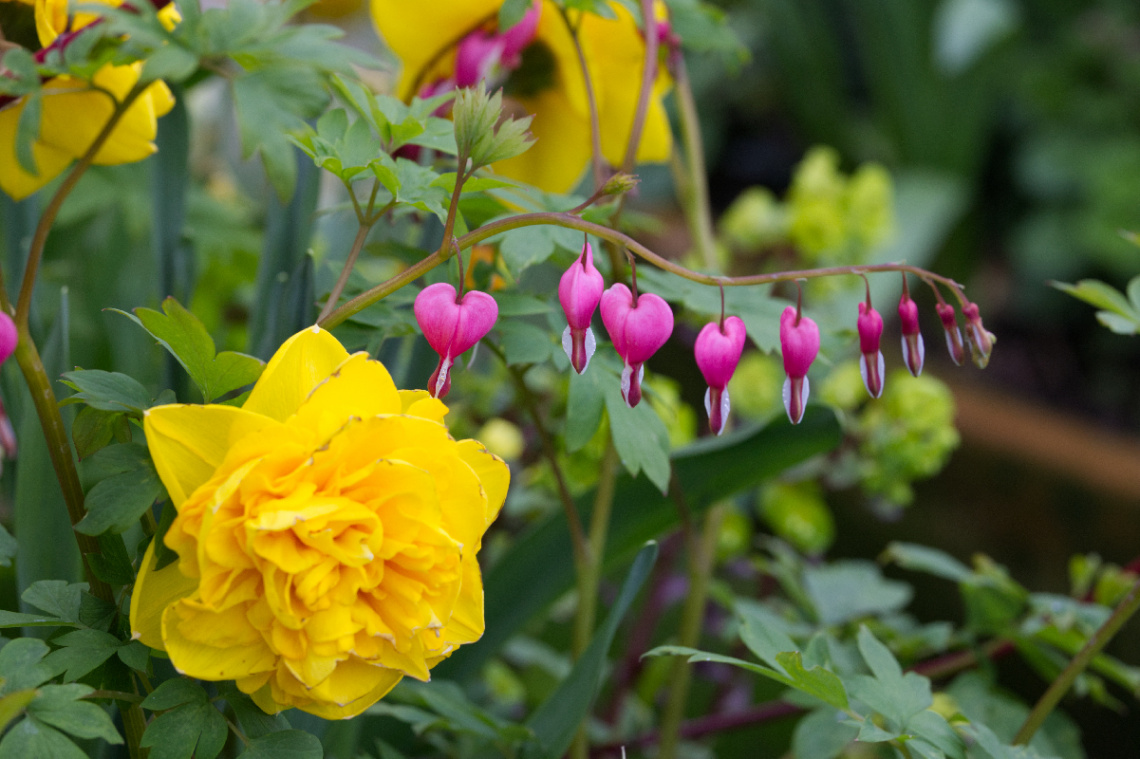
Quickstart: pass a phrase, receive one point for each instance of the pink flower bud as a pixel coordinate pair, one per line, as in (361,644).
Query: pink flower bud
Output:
(518,37)
(475,56)
(871,366)
(451,326)
(799,344)
(981,341)
(9,337)
(718,350)
(579,291)
(953,334)
(638,330)
(914,350)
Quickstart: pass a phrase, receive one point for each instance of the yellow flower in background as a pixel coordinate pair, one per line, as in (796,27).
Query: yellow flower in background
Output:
(327,534)
(456,42)
(73,113)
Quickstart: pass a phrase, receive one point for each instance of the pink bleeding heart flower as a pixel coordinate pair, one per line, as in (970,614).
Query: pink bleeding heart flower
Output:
(579,291)
(914,351)
(981,341)
(451,326)
(871,365)
(718,350)
(799,344)
(9,337)
(518,37)
(953,334)
(638,330)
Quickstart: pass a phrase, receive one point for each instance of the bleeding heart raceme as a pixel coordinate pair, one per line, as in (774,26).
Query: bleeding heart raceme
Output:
(451,326)
(914,350)
(479,55)
(579,291)
(871,364)
(799,344)
(638,329)
(718,350)
(981,341)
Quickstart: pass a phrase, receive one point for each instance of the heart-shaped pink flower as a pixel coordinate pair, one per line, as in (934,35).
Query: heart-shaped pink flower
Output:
(914,350)
(638,330)
(452,326)
(579,291)
(718,350)
(871,364)
(799,344)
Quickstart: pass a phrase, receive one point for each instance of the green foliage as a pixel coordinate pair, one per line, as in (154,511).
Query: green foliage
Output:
(482,135)
(189,726)
(1118,312)
(126,486)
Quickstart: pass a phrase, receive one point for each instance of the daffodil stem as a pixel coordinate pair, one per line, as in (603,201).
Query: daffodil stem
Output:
(590,580)
(570,221)
(702,559)
(695,190)
(1059,687)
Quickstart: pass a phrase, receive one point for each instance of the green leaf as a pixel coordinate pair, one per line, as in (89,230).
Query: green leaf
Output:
(57,597)
(13,705)
(108,391)
(21,665)
(112,565)
(527,246)
(933,728)
(923,559)
(584,406)
(844,591)
(117,502)
(823,734)
(16,619)
(524,343)
(192,730)
(28,131)
(184,335)
(520,304)
(81,652)
(287,744)
(135,655)
(32,739)
(707,471)
(174,692)
(640,437)
(1121,325)
(92,430)
(556,721)
(254,722)
(1097,293)
(817,681)
(896,696)
(8,547)
(59,706)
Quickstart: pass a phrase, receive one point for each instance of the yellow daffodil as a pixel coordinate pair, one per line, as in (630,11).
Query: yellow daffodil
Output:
(326,534)
(75,112)
(455,42)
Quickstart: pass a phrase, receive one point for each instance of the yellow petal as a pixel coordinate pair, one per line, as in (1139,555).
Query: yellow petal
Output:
(561,151)
(50,161)
(466,624)
(360,388)
(493,473)
(349,677)
(420,403)
(236,656)
(419,33)
(154,590)
(188,443)
(299,365)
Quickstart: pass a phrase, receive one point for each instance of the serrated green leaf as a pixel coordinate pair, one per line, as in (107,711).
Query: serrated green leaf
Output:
(254,722)
(817,681)
(135,655)
(923,559)
(192,730)
(640,437)
(287,744)
(59,706)
(1101,295)
(21,665)
(92,429)
(57,597)
(174,692)
(112,565)
(116,503)
(933,728)
(849,590)
(527,246)
(171,62)
(32,739)
(823,734)
(81,652)
(108,391)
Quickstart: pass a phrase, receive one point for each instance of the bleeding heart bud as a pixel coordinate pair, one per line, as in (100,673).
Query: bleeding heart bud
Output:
(579,292)
(799,344)
(9,337)
(871,365)
(981,341)
(914,350)
(638,330)
(953,334)
(718,352)
(452,326)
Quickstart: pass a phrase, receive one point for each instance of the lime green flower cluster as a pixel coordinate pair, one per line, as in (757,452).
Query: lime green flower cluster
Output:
(828,217)
(798,514)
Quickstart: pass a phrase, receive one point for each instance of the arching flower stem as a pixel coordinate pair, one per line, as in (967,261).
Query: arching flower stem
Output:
(570,221)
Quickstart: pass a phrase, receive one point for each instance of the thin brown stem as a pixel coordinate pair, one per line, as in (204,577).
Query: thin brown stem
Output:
(648,76)
(346,272)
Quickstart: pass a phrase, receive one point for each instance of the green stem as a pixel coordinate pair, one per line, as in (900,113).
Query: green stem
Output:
(590,580)
(701,563)
(134,725)
(569,221)
(1057,690)
(346,272)
(696,194)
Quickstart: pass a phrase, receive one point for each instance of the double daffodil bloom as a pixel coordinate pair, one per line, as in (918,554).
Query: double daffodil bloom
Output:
(74,112)
(545,79)
(326,534)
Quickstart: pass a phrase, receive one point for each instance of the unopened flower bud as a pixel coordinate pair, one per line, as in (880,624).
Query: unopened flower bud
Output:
(9,337)
(452,326)
(981,341)
(620,184)
(871,365)
(638,330)
(579,291)
(953,334)
(914,350)
(718,350)
(799,345)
